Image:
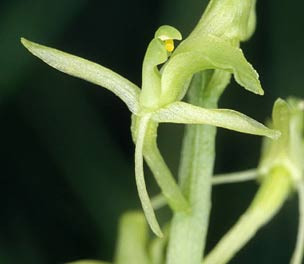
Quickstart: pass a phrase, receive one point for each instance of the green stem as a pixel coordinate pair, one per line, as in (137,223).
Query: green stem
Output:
(298,253)
(159,201)
(189,229)
(235,177)
(269,199)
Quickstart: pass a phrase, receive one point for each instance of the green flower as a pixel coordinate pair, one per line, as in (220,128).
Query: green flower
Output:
(210,46)
(280,172)
(286,155)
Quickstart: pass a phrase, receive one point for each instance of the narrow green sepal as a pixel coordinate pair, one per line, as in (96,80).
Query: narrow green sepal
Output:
(89,71)
(184,113)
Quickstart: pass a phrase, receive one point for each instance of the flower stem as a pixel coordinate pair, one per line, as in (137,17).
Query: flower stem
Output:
(189,229)
(298,253)
(234,177)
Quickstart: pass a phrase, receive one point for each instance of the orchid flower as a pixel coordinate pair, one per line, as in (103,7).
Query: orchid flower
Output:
(159,99)
(280,173)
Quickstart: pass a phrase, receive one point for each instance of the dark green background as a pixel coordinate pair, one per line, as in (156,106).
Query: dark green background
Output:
(66,151)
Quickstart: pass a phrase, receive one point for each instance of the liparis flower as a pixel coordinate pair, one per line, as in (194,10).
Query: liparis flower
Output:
(212,45)
(280,173)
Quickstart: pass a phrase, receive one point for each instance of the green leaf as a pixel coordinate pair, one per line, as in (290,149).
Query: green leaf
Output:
(184,113)
(212,53)
(87,70)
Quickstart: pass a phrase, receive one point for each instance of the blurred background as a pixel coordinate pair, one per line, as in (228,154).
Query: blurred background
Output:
(66,150)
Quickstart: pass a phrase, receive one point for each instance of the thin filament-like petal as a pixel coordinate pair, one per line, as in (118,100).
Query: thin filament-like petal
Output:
(162,173)
(140,180)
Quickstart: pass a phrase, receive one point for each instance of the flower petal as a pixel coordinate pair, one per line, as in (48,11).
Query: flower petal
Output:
(140,180)
(156,54)
(162,173)
(212,53)
(184,113)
